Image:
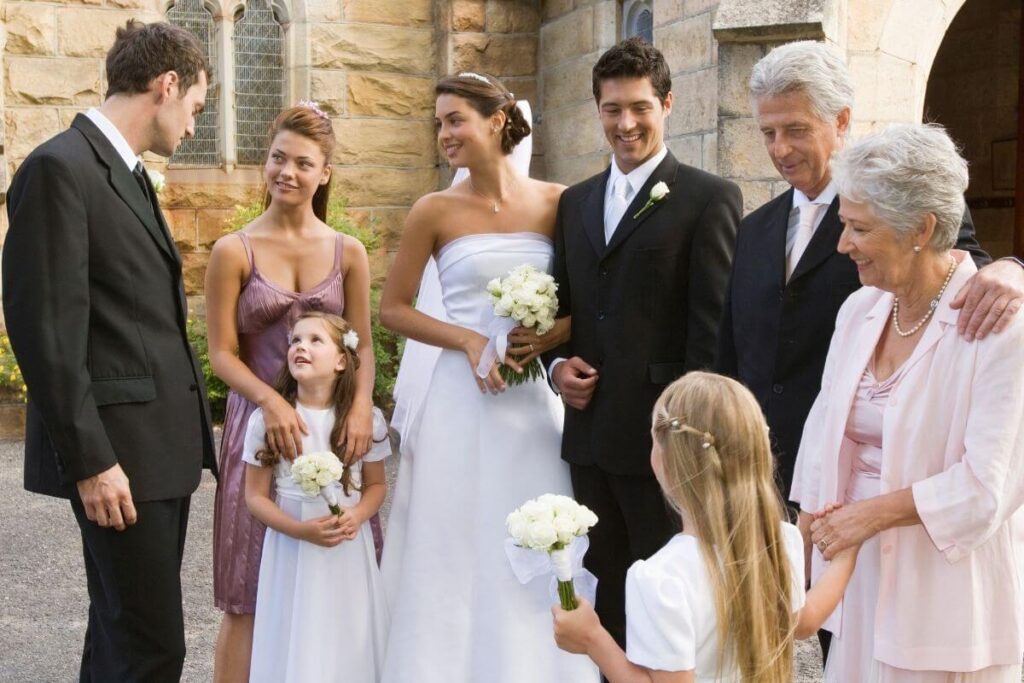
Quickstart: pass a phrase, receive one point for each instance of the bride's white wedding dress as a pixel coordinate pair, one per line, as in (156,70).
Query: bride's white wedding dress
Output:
(458,615)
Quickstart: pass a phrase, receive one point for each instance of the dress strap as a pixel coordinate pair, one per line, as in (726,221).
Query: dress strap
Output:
(248,249)
(339,248)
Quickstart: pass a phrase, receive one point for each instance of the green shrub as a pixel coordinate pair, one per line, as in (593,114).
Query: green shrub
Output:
(12,385)
(216,389)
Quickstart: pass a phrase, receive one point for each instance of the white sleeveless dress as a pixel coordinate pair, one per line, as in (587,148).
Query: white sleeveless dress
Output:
(458,615)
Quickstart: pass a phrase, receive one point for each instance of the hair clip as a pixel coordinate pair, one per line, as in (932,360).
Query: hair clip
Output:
(470,74)
(310,104)
(678,425)
(511,95)
(351,340)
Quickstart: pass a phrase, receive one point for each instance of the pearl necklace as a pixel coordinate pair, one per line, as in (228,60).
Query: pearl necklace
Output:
(495,203)
(931,306)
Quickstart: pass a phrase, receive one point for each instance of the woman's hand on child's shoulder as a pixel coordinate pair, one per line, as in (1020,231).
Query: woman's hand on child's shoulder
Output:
(575,630)
(324,531)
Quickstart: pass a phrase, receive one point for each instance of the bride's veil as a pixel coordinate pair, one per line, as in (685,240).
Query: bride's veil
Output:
(418,360)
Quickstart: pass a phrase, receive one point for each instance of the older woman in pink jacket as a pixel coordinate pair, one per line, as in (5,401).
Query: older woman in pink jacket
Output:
(917,433)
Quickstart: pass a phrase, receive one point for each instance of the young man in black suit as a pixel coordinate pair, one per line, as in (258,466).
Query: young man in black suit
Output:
(642,255)
(95,307)
(789,280)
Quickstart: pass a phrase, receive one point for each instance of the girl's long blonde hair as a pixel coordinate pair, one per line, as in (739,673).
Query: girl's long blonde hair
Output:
(718,467)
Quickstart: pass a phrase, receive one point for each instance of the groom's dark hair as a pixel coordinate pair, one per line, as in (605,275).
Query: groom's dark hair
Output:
(141,52)
(633,58)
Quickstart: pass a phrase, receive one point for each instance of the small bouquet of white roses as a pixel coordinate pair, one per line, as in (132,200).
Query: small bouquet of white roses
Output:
(315,473)
(553,524)
(526,297)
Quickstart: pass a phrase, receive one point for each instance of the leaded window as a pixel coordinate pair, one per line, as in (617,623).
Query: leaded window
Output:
(258,44)
(203,149)
(638,20)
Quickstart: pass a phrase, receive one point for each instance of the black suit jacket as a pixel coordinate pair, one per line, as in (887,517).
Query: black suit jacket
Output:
(645,308)
(775,335)
(96,311)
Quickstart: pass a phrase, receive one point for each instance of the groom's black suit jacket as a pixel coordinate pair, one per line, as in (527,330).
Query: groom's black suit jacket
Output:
(96,312)
(775,335)
(645,307)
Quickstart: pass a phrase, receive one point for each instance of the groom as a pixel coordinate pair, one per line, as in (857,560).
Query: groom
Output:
(642,259)
(117,415)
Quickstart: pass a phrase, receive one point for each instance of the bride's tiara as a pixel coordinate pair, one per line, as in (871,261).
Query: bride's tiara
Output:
(470,74)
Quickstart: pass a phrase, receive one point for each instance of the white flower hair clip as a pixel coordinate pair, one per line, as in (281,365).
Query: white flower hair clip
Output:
(315,106)
(351,340)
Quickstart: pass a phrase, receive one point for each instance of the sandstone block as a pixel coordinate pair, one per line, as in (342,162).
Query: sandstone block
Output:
(207,196)
(755,193)
(694,102)
(27,128)
(667,11)
(568,83)
(328,89)
(405,13)
(496,54)
(468,15)
(193,271)
(68,114)
(365,46)
(687,45)
(573,131)
(182,223)
(606,32)
(710,154)
(573,170)
(687,150)
(567,37)
(387,95)
(887,87)
(211,225)
(691,7)
(741,151)
(388,187)
(324,10)
(907,20)
(378,142)
(130,4)
(736,62)
(552,9)
(865,22)
(33,80)
(512,16)
(88,32)
(31,29)
(388,223)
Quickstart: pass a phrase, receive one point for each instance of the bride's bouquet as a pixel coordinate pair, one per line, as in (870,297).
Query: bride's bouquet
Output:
(315,472)
(556,525)
(526,297)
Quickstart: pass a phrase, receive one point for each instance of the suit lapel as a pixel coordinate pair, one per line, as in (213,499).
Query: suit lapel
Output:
(664,173)
(824,241)
(124,184)
(593,213)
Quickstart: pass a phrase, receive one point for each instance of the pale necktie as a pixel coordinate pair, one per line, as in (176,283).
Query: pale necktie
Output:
(804,231)
(617,205)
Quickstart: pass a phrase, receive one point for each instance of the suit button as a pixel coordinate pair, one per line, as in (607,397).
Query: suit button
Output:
(600,315)
(603,272)
(777,388)
(193,387)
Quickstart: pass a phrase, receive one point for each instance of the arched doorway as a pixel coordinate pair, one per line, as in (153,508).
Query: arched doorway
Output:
(974,90)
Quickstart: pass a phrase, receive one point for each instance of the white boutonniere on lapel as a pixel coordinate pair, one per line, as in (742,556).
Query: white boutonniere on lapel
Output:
(157,180)
(658,193)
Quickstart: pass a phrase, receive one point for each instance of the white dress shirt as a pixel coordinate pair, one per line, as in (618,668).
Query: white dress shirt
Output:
(799,198)
(111,133)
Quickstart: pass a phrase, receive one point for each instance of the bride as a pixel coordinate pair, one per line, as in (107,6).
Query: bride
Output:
(473,449)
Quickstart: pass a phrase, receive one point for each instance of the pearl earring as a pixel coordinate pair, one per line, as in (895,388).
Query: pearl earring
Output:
(917,249)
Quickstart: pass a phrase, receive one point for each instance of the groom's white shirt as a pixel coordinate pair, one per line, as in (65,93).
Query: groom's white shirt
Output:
(635,179)
(111,133)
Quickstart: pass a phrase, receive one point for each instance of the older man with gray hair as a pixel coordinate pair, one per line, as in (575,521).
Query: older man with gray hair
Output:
(788,280)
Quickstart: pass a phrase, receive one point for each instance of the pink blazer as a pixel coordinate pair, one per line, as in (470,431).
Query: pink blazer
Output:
(950,595)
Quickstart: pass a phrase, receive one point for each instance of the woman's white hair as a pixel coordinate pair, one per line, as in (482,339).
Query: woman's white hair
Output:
(809,67)
(905,172)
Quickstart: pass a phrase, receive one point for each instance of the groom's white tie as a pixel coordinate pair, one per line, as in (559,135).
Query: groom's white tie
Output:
(616,207)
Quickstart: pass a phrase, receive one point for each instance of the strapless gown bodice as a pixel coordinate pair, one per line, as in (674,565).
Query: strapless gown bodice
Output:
(466,264)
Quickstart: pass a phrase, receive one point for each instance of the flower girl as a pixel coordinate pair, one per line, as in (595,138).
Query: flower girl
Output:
(320,611)
(723,600)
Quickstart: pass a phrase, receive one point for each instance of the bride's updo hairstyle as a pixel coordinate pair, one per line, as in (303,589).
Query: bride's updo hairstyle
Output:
(488,96)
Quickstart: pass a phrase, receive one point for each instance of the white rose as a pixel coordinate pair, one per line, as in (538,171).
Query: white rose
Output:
(517,526)
(659,191)
(585,518)
(537,512)
(565,526)
(541,535)
(156,178)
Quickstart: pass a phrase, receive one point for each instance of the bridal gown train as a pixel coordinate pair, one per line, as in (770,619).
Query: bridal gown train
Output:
(458,615)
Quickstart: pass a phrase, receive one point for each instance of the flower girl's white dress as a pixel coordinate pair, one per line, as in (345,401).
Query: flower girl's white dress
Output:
(321,614)
(458,614)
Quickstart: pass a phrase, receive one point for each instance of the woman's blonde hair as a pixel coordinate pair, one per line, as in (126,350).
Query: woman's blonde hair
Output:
(717,466)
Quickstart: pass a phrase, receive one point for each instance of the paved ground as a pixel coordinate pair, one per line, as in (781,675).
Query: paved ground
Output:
(44,602)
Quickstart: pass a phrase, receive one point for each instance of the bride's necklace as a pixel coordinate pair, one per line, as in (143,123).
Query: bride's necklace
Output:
(931,306)
(495,203)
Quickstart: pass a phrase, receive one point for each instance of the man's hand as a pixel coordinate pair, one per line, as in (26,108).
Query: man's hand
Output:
(990,299)
(576,381)
(108,499)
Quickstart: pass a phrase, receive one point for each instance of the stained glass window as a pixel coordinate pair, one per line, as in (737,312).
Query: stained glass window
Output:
(203,149)
(259,78)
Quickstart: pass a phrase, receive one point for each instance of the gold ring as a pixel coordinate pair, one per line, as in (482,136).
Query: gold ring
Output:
(822,545)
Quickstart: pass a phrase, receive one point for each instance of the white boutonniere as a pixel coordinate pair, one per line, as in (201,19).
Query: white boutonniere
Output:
(658,192)
(157,180)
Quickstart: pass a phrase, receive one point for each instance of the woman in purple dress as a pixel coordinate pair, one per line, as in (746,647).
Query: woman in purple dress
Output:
(285,262)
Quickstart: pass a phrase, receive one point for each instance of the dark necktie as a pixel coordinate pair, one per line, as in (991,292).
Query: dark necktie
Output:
(140,178)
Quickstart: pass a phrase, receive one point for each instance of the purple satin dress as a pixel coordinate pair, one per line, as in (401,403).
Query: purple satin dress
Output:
(265,313)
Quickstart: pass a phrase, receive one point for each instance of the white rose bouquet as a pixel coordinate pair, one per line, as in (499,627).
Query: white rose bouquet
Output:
(551,523)
(525,297)
(315,472)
